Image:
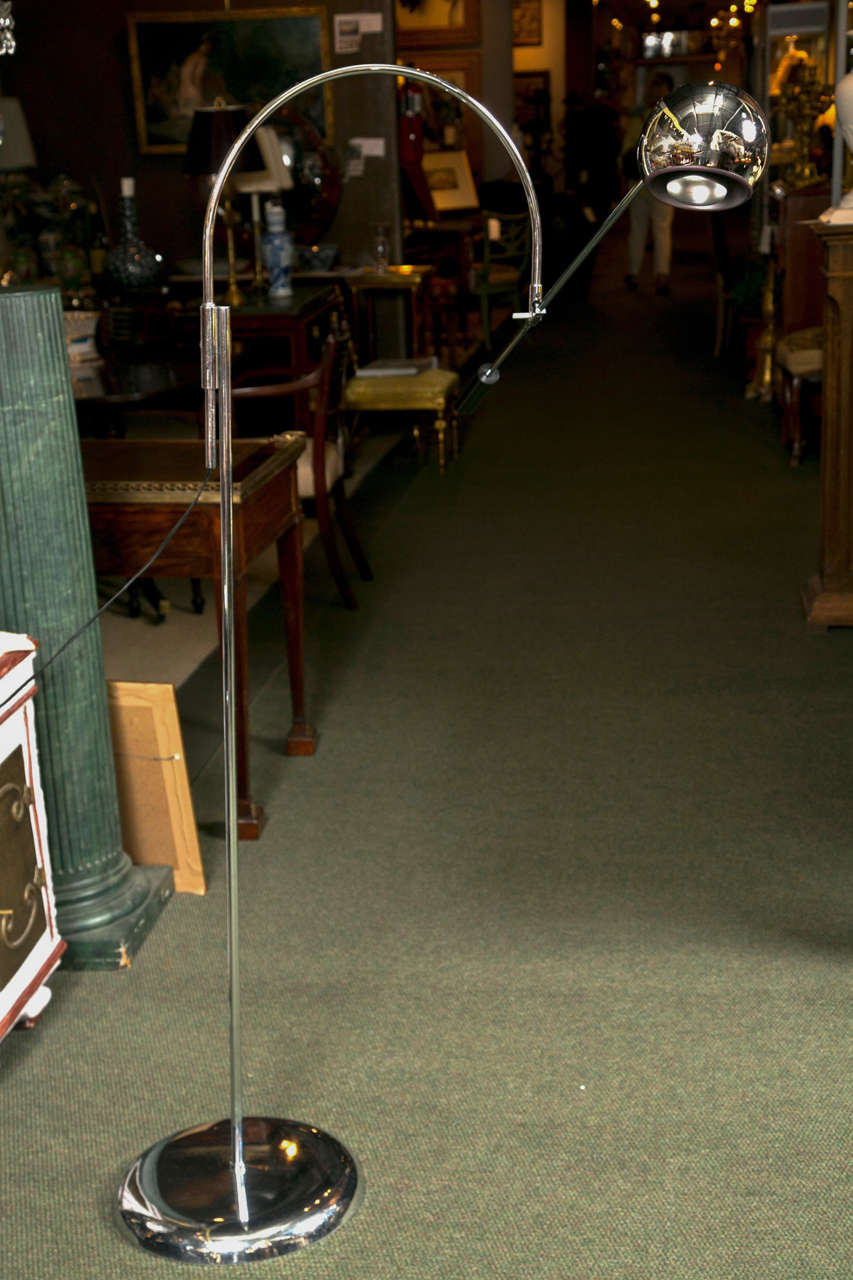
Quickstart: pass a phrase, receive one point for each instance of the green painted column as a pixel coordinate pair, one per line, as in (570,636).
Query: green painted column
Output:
(105,905)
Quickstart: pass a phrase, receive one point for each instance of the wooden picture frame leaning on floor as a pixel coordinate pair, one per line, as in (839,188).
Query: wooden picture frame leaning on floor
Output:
(155,804)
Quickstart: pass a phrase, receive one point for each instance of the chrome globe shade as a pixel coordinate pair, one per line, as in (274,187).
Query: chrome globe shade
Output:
(704,146)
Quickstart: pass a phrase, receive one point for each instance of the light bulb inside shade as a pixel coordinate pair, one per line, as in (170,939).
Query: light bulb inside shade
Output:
(694,188)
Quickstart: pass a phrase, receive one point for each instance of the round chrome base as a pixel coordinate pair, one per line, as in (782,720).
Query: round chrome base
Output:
(179,1198)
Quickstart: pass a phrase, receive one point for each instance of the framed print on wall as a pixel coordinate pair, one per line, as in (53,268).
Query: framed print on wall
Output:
(461,67)
(450,180)
(526,22)
(435,24)
(181,61)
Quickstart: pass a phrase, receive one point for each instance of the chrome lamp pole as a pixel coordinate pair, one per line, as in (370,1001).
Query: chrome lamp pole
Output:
(249,1188)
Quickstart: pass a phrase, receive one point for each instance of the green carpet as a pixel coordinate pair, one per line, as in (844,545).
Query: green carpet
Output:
(554,930)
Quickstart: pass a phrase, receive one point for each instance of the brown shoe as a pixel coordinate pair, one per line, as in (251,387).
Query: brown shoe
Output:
(662,288)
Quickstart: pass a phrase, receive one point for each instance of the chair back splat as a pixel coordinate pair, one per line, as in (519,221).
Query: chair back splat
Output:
(504,266)
(321,469)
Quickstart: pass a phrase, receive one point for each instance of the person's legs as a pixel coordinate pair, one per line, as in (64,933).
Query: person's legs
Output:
(638,233)
(661,215)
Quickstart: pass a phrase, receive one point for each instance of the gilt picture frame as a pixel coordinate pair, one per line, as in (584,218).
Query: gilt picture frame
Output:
(526,22)
(435,24)
(450,180)
(181,61)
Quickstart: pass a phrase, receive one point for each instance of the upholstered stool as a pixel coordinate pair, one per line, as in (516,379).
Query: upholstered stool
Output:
(798,356)
(432,392)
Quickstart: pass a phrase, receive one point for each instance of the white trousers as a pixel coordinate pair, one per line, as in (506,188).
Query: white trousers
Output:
(644,210)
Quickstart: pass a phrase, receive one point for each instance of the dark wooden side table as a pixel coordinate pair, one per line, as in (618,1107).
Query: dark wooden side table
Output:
(828,595)
(136,490)
(287,333)
(300,322)
(360,287)
(410,282)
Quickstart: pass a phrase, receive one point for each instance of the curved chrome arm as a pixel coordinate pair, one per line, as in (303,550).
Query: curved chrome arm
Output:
(408,73)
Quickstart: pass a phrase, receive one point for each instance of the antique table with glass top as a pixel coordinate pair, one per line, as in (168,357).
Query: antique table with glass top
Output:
(136,490)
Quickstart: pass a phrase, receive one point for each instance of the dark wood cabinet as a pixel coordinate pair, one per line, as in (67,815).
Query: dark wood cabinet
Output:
(828,596)
(799,260)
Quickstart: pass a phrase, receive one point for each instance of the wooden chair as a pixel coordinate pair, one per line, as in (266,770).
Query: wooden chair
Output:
(501,272)
(320,470)
(798,359)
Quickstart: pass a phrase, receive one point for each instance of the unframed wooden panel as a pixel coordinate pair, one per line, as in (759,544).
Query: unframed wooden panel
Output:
(155,804)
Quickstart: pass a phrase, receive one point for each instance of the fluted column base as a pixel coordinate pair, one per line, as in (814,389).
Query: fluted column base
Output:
(105,905)
(133,907)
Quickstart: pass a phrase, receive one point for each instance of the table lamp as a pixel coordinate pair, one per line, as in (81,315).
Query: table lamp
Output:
(249,1188)
(212,134)
(272,180)
(16,148)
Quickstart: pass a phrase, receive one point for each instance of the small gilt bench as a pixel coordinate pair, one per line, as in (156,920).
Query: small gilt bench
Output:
(430,393)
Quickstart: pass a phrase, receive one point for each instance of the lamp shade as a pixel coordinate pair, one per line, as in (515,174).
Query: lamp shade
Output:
(213,132)
(276,173)
(16,148)
(704,146)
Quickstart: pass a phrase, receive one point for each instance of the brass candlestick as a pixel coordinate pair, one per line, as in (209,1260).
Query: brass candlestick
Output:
(234,296)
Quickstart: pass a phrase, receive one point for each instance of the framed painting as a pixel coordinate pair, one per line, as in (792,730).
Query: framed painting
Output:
(461,67)
(435,24)
(450,180)
(181,61)
(532,91)
(526,22)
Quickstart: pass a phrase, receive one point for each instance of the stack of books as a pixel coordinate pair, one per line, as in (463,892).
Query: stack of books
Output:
(397,367)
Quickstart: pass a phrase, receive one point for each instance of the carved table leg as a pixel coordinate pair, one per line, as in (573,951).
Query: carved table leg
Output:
(440,428)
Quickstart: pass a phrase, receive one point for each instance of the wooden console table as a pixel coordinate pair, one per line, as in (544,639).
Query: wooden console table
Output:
(136,490)
(412,283)
(365,284)
(828,596)
(287,333)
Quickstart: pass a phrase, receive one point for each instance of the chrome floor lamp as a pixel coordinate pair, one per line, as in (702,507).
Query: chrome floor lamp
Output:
(249,1188)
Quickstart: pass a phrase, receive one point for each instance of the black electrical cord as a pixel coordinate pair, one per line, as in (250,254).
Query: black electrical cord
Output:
(139,574)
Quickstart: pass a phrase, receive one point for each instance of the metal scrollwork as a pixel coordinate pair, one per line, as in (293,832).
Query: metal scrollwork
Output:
(31,896)
(21,803)
(23,798)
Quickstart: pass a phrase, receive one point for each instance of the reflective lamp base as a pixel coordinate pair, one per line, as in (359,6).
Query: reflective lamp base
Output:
(698,187)
(178,1198)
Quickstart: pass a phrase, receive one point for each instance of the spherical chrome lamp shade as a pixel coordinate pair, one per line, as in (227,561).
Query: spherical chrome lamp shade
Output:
(704,146)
